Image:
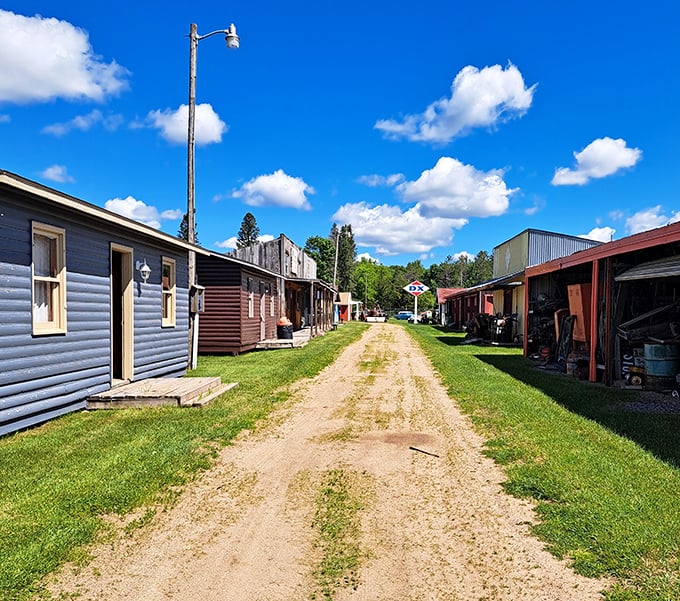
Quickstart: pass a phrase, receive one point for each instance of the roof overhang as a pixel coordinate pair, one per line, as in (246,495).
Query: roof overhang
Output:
(644,240)
(510,280)
(661,268)
(19,184)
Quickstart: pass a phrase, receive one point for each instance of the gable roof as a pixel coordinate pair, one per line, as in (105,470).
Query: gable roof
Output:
(19,184)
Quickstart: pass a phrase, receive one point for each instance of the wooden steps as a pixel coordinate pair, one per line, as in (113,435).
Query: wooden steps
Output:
(160,392)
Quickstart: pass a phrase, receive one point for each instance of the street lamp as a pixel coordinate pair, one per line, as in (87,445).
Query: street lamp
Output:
(233,42)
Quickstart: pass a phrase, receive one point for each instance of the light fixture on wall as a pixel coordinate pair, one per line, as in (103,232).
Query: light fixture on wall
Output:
(144,270)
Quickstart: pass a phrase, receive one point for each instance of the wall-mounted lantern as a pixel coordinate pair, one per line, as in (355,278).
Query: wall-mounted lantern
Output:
(144,270)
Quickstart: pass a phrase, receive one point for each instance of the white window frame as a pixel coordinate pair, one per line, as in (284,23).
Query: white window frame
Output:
(251,304)
(168,293)
(54,280)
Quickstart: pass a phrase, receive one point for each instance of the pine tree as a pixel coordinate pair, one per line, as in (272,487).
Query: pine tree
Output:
(249,232)
(183,232)
(347,252)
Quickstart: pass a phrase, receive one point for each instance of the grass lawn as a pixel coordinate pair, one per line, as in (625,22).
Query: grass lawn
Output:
(59,480)
(607,482)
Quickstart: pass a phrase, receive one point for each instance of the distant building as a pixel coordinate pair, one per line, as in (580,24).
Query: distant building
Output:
(304,299)
(502,297)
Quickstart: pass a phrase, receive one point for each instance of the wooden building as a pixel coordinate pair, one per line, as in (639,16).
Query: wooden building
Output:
(619,297)
(502,297)
(88,300)
(304,299)
(241,304)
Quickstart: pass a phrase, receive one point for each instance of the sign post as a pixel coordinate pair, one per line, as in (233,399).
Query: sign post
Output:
(416,289)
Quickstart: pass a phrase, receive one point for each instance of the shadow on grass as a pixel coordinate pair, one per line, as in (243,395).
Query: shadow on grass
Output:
(655,432)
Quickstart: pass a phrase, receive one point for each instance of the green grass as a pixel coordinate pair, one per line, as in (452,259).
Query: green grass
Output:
(606,482)
(58,481)
(339,500)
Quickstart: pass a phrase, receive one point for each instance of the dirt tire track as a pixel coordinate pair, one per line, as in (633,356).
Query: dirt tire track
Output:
(433,528)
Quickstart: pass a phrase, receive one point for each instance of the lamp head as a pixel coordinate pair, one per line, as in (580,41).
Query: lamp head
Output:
(232,40)
(144,270)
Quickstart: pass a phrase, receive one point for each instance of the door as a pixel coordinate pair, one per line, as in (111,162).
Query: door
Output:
(121,314)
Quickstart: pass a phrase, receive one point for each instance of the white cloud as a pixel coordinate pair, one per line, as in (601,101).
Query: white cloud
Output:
(368,258)
(276,189)
(650,218)
(375,181)
(464,255)
(443,199)
(230,243)
(44,58)
(601,234)
(84,123)
(173,125)
(602,157)
(453,190)
(479,98)
(5,118)
(392,231)
(139,211)
(57,173)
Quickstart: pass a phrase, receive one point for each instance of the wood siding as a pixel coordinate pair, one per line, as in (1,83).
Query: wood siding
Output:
(224,325)
(42,377)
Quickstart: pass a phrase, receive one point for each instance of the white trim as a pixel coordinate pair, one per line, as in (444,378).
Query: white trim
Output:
(49,194)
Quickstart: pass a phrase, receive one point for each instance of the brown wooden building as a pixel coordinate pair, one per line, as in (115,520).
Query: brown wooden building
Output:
(619,297)
(241,304)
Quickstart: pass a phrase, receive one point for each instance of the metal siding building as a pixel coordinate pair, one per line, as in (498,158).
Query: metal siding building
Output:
(533,247)
(44,375)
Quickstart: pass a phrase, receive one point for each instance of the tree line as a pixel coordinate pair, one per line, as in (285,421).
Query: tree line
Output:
(370,282)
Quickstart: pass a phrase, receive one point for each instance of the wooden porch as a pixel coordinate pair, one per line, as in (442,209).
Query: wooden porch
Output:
(160,392)
(300,338)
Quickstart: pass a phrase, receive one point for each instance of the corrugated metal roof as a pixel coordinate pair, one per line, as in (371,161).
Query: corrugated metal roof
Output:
(661,268)
(505,281)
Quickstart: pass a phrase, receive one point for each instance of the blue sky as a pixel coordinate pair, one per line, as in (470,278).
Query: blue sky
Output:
(433,128)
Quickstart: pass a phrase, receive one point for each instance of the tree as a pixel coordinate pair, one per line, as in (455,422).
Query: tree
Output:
(347,252)
(322,250)
(481,269)
(183,232)
(248,233)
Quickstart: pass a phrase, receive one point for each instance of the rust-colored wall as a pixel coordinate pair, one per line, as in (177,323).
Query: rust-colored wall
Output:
(224,325)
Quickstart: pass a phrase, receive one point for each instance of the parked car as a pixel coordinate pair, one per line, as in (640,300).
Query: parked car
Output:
(404,315)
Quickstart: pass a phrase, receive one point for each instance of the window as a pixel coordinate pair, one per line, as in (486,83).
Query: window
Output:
(168,291)
(49,279)
(251,297)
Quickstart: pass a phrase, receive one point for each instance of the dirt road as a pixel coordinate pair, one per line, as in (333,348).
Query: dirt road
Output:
(434,523)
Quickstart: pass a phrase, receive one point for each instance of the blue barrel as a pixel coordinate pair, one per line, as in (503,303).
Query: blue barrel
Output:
(662,363)
(662,360)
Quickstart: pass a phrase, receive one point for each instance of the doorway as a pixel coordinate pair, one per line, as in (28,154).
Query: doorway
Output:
(121,315)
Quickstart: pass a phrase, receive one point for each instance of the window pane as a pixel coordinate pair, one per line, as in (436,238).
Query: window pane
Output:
(167,306)
(42,307)
(167,279)
(44,256)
